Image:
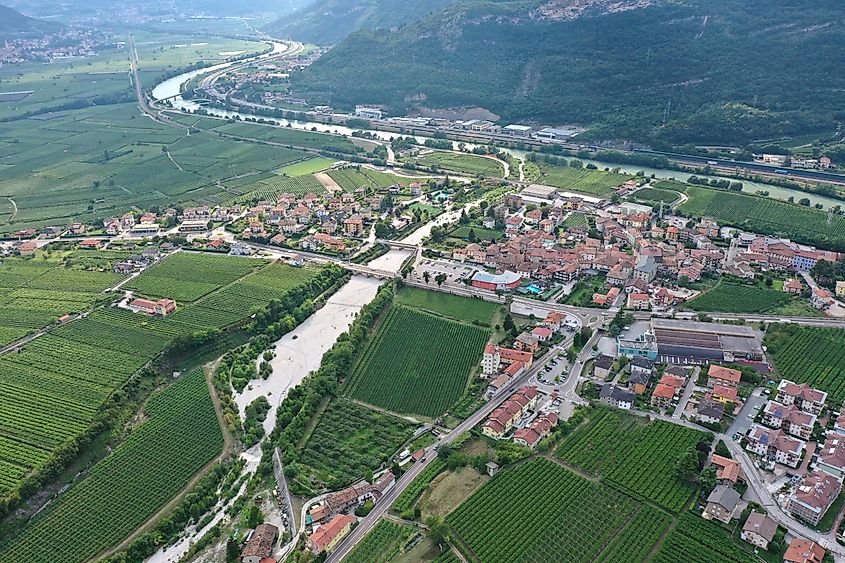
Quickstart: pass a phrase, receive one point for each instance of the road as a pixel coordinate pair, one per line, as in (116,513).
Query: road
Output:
(387,501)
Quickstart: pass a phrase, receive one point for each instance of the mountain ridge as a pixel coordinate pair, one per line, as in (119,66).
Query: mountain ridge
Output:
(667,71)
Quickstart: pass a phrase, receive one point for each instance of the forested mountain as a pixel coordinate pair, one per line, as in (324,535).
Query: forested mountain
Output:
(13,22)
(672,71)
(329,21)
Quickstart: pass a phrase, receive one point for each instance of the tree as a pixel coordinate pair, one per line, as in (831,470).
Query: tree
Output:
(437,530)
(233,552)
(687,466)
(440,278)
(508,323)
(426,276)
(707,479)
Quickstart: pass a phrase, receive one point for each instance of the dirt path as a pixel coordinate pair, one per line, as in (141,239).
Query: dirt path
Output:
(14,209)
(229,445)
(328,182)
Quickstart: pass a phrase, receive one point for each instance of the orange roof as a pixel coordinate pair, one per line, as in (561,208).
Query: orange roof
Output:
(728,374)
(804,551)
(328,532)
(726,468)
(663,391)
(728,393)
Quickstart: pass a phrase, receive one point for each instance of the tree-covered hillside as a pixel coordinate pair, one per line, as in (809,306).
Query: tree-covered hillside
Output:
(329,21)
(13,22)
(720,71)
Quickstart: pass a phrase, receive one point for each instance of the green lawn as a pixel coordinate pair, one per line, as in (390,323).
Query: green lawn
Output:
(481,233)
(460,308)
(732,297)
(306,167)
(464,163)
(580,180)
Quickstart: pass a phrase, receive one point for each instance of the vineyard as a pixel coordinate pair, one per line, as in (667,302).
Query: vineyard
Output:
(591,182)
(576,219)
(636,456)
(409,496)
(35,293)
(810,355)
(350,440)
(438,303)
(145,471)
(47,401)
(728,297)
(463,163)
(187,276)
(695,540)
(382,544)
(540,511)
(272,186)
(416,363)
(767,216)
(352,178)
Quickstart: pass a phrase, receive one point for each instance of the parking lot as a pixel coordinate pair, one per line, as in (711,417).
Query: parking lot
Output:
(455,272)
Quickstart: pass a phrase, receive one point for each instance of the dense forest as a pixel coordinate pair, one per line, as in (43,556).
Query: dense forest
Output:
(329,21)
(715,71)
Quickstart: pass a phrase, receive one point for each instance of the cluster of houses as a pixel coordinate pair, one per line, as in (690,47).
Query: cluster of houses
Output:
(823,162)
(63,43)
(788,422)
(330,521)
(519,413)
(641,376)
(635,251)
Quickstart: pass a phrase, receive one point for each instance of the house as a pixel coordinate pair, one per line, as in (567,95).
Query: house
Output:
(553,321)
(638,382)
(602,366)
(319,514)
(536,430)
(616,396)
(775,445)
(527,343)
(641,366)
(543,334)
(822,298)
(793,286)
(27,248)
(329,535)
(508,413)
(803,396)
(353,227)
(91,244)
(710,412)
(727,377)
(260,544)
(721,504)
(832,455)
(727,470)
(160,308)
(638,301)
(792,419)
(496,355)
(759,530)
(724,395)
(662,396)
(812,498)
(803,551)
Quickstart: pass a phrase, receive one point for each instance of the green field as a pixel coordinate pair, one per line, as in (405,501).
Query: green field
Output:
(580,180)
(351,178)
(416,363)
(306,167)
(382,544)
(145,471)
(452,306)
(571,519)
(463,163)
(809,355)
(576,219)
(730,297)
(36,292)
(188,276)
(46,401)
(350,440)
(481,233)
(767,216)
(695,540)
(93,163)
(409,496)
(655,196)
(636,456)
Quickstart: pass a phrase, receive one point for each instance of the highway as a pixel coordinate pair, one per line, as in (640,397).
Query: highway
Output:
(367,524)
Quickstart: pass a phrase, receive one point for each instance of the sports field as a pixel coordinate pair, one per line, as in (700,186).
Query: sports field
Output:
(452,306)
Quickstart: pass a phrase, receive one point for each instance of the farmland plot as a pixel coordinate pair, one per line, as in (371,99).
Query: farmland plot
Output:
(417,363)
(810,355)
(127,487)
(572,519)
(636,456)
